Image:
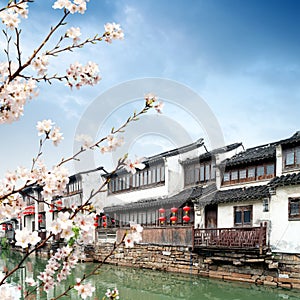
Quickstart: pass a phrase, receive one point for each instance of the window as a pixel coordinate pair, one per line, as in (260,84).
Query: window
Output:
(270,169)
(195,173)
(265,204)
(226,177)
(260,171)
(202,173)
(234,175)
(242,174)
(146,178)
(243,215)
(251,172)
(207,172)
(291,157)
(294,208)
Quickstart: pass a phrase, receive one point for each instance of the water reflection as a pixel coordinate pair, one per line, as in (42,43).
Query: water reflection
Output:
(136,284)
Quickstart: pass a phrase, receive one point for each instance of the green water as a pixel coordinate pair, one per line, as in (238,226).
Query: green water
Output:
(137,284)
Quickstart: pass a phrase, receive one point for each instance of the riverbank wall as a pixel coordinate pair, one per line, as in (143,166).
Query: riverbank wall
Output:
(270,269)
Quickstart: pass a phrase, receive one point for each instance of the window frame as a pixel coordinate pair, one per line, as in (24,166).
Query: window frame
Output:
(142,179)
(254,169)
(293,217)
(242,210)
(295,152)
(199,173)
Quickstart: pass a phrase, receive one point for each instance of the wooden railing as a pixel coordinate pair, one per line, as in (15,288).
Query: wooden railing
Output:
(168,235)
(243,238)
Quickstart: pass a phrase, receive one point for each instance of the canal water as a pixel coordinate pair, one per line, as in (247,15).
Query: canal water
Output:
(137,284)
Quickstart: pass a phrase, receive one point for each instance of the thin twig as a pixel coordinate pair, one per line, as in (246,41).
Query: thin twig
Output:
(15,5)
(18,33)
(37,50)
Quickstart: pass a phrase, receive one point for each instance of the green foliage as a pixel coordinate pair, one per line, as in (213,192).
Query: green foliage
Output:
(72,240)
(4,243)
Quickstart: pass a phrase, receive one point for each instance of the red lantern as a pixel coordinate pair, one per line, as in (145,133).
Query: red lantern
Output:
(162,220)
(173,219)
(59,202)
(3,226)
(186,218)
(104,224)
(103,217)
(174,210)
(162,217)
(186,209)
(96,218)
(96,224)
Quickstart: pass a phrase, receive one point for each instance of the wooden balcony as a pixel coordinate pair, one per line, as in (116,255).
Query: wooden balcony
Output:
(246,238)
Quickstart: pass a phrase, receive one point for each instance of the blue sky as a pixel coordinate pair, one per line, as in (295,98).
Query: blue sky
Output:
(241,57)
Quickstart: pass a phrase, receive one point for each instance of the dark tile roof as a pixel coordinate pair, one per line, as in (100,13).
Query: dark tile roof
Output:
(160,157)
(288,179)
(176,151)
(255,154)
(235,195)
(176,200)
(209,154)
(295,138)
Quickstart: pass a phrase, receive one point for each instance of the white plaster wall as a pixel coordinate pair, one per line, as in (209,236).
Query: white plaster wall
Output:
(92,182)
(174,182)
(175,175)
(245,184)
(226,211)
(285,234)
(278,160)
(128,197)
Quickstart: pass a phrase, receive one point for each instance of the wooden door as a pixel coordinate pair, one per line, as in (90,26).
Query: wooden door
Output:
(211,216)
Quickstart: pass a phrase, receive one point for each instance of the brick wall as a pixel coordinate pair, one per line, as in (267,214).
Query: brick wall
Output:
(278,270)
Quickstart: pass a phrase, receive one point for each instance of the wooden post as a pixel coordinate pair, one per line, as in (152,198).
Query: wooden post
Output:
(261,238)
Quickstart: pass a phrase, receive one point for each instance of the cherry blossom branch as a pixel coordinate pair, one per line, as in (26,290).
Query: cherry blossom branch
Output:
(38,49)
(19,265)
(93,40)
(99,190)
(134,117)
(93,272)
(10,5)
(28,183)
(37,200)
(45,78)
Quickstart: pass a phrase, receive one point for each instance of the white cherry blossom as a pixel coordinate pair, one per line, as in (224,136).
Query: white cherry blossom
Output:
(44,126)
(24,238)
(113,31)
(74,33)
(132,166)
(40,64)
(85,290)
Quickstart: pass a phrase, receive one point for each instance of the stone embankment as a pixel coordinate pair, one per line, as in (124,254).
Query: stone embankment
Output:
(276,270)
